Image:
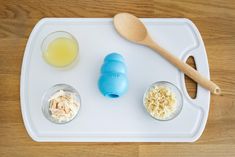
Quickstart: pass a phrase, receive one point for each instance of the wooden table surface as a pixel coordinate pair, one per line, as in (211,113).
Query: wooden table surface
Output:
(214,19)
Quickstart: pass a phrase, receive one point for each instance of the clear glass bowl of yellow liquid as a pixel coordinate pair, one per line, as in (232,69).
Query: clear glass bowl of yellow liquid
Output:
(60,49)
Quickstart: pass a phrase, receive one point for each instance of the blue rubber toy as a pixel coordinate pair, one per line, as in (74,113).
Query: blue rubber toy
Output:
(113,81)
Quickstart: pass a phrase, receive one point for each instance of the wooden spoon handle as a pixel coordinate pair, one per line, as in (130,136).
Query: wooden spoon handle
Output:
(185,68)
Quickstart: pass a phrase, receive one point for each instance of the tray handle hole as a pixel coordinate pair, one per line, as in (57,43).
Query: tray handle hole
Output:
(191,85)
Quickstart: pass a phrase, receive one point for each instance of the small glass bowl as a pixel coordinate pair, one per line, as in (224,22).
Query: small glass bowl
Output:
(51,37)
(178,95)
(50,92)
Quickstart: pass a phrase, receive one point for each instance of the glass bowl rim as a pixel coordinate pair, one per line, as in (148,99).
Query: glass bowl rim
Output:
(49,90)
(180,104)
(73,38)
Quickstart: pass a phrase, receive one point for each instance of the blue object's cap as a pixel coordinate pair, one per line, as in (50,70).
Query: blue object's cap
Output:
(114,57)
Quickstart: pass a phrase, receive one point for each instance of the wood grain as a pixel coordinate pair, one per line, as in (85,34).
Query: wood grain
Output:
(215,21)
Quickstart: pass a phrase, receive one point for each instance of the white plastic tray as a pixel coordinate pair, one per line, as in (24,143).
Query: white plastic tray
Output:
(114,120)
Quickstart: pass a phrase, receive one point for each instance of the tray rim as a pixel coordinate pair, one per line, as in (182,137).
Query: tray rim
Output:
(132,139)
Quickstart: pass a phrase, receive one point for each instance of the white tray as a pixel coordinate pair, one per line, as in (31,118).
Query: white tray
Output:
(114,120)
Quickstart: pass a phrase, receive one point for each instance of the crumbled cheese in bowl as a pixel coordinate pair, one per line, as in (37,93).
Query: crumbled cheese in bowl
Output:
(162,102)
(61,103)
(63,106)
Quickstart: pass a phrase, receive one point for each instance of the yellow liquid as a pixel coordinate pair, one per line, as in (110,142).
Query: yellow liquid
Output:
(61,52)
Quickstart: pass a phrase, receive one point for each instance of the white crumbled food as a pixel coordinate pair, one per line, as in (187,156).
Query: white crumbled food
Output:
(63,106)
(160,102)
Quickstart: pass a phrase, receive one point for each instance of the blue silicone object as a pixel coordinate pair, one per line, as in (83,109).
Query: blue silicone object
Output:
(113,81)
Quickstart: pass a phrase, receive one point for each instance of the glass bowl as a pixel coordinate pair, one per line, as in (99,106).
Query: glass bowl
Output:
(53,36)
(178,96)
(50,92)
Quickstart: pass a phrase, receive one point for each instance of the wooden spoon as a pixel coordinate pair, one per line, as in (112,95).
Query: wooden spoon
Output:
(131,28)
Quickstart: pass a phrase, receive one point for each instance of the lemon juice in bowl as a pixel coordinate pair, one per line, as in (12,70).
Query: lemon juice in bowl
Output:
(60,49)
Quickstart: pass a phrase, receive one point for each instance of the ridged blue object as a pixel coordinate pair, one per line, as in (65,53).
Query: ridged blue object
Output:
(113,81)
